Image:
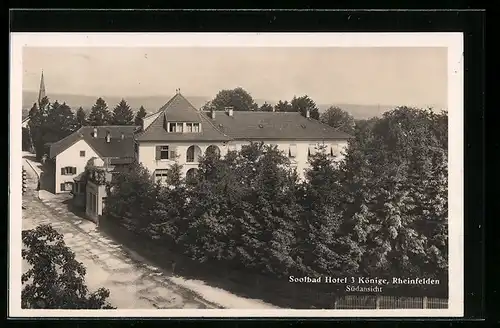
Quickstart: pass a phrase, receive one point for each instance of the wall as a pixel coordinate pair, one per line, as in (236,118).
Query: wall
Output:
(71,157)
(147,152)
(99,191)
(149,119)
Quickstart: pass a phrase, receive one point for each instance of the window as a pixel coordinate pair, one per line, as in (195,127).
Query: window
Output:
(104,199)
(333,150)
(82,153)
(161,176)
(312,150)
(189,127)
(68,170)
(196,127)
(190,154)
(164,154)
(175,127)
(292,152)
(67,186)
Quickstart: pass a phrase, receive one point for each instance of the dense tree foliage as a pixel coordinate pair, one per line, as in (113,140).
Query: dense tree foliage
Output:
(81,117)
(139,116)
(304,104)
(122,114)
(339,119)
(380,211)
(50,123)
(55,279)
(99,114)
(237,98)
(283,106)
(266,107)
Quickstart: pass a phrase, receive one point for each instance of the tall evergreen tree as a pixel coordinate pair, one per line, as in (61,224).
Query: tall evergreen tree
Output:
(266,107)
(304,103)
(81,117)
(139,116)
(122,114)
(99,114)
(61,122)
(283,106)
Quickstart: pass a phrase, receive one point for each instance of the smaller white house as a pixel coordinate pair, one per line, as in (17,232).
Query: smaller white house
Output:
(69,156)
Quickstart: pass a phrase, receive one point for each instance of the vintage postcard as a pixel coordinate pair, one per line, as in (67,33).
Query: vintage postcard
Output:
(236,175)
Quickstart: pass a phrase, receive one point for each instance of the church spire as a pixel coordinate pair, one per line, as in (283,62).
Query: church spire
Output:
(41,92)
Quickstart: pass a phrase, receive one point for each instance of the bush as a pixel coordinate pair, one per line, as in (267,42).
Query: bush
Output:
(55,280)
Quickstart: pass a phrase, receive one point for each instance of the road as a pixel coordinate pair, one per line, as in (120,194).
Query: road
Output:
(132,284)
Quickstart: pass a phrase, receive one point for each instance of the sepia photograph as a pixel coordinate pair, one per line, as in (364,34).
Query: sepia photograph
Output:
(236,175)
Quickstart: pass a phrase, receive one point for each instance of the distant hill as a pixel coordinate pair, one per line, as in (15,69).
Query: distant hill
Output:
(153,103)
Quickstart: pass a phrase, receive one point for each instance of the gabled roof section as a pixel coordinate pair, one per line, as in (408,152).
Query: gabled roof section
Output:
(116,148)
(179,109)
(253,125)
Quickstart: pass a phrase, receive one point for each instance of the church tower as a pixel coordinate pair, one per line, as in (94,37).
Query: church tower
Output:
(41,92)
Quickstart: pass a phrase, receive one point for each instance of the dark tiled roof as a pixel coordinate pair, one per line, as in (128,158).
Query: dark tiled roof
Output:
(178,109)
(117,147)
(250,125)
(246,125)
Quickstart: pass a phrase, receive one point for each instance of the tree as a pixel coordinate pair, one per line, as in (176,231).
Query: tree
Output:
(237,98)
(132,195)
(140,116)
(395,181)
(266,107)
(99,114)
(122,114)
(81,117)
(304,103)
(339,119)
(283,106)
(55,280)
(61,122)
(325,246)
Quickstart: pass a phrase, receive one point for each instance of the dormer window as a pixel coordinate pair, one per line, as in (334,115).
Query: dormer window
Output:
(193,127)
(175,127)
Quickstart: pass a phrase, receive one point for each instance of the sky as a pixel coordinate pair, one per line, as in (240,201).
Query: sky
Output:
(366,76)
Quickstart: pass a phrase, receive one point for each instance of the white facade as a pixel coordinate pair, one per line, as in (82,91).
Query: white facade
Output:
(297,151)
(70,163)
(95,196)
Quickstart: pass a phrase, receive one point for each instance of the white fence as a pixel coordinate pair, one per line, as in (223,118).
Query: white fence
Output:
(389,302)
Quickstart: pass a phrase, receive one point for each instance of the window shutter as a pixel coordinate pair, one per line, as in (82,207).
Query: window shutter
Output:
(63,187)
(158,152)
(312,150)
(74,170)
(63,171)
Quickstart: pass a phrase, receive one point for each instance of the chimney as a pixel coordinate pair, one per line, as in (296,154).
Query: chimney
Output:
(229,111)
(94,133)
(308,113)
(108,136)
(212,113)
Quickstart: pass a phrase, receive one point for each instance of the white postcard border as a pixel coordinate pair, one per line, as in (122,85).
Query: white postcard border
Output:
(454,43)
